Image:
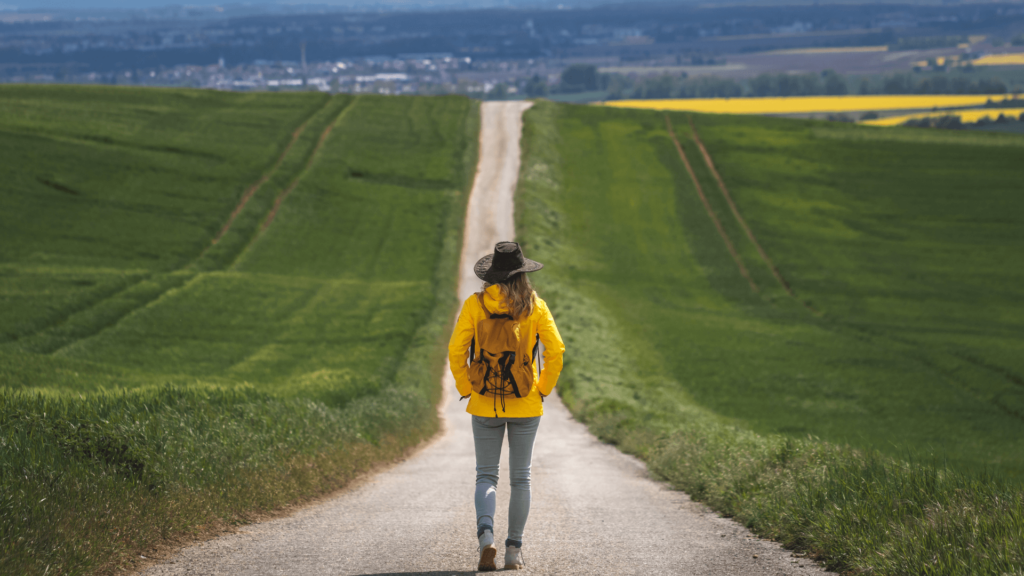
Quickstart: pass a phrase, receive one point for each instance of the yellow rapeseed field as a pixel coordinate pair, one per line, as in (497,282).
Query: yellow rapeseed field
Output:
(805,104)
(965,116)
(1001,60)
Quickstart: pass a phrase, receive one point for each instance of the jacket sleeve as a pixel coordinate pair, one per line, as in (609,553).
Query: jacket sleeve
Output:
(458,348)
(554,348)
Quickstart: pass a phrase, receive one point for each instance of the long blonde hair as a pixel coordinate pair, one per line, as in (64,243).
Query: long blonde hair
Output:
(518,294)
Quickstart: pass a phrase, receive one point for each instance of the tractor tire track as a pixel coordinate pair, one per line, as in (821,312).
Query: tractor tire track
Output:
(707,206)
(305,169)
(259,184)
(35,340)
(185,281)
(739,217)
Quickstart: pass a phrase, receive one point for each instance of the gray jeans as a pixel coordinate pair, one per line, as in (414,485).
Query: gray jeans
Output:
(488,434)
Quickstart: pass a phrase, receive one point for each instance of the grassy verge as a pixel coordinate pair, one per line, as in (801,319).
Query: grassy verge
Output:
(796,425)
(274,368)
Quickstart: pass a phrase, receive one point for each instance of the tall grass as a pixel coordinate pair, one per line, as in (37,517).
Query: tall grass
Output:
(105,473)
(650,332)
(90,481)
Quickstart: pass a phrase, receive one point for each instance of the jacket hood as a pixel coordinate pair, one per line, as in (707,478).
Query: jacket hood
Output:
(494,300)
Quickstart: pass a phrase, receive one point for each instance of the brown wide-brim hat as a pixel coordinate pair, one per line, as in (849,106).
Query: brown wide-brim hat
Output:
(507,261)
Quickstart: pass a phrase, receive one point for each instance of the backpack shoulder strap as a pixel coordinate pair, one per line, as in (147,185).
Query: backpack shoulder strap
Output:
(487,313)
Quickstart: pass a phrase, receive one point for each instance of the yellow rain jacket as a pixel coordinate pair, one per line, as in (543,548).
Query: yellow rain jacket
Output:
(540,322)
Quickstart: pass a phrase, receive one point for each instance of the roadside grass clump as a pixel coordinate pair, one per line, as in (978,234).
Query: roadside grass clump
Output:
(89,481)
(249,373)
(858,512)
(852,445)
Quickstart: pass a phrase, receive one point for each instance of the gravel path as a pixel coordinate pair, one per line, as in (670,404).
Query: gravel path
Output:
(595,511)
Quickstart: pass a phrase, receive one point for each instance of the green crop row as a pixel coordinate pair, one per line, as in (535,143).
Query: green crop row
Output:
(829,431)
(242,375)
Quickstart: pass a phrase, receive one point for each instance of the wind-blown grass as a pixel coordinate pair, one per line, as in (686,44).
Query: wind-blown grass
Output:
(270,367)
(801,426)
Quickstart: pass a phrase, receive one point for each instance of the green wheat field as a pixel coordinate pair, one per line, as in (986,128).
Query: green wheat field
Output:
(213,305)
(872,414)
(153,383)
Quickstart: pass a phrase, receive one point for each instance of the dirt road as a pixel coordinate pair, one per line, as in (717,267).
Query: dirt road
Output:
(594,511)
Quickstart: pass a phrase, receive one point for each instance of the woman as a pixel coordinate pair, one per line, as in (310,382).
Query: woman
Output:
(507,295)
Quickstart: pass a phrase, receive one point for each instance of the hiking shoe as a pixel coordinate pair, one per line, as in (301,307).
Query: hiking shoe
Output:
(514,558)
(487,552)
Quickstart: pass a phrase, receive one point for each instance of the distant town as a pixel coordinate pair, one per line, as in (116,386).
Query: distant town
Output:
(614,51)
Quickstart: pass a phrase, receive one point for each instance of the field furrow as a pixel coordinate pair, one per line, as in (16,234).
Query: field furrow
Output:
(263,180)
(103,314)
(711,214)
(736,213)
(139,163)
(309,162)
